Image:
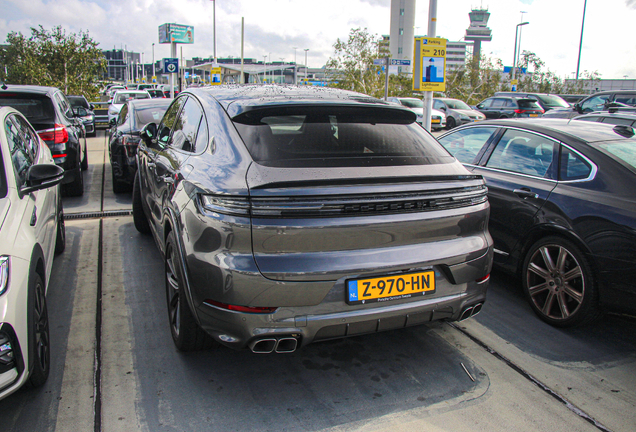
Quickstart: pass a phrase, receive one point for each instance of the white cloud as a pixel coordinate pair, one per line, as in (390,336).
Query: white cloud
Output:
(274,27)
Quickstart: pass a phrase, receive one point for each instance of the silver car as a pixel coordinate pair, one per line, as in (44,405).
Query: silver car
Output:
(288,215)
(457,112)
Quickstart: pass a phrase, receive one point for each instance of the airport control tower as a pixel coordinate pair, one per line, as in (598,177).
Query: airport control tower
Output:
(478,31)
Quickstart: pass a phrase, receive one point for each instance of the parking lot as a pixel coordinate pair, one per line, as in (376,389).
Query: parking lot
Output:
(114,366)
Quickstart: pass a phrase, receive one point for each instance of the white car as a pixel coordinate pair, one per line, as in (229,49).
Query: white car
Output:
(120,98)
(31,232)
(438,118)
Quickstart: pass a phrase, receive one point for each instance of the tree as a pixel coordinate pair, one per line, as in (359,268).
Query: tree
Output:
(474,81)
(71,62)
(352,67)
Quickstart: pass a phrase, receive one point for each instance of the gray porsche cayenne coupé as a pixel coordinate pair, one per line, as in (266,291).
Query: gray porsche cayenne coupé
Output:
(288,215)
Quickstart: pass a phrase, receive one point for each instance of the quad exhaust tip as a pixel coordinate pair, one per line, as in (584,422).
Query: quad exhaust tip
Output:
(282,345)
(470,311)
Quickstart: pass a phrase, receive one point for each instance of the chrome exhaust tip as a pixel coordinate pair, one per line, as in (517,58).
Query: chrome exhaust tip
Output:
(466,314)
(263,346)
(286,345)
(476,309)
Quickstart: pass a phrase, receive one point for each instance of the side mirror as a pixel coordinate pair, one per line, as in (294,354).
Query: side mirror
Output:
(149,133)
(42,176)
(442,109)
(112,122)
(80,112)
(577,108)
(92,107)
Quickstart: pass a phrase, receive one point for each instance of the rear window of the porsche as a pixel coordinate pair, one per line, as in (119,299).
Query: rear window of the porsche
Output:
(349,135)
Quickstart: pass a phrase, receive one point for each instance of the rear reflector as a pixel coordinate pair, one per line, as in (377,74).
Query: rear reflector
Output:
(246,309)
(483,279)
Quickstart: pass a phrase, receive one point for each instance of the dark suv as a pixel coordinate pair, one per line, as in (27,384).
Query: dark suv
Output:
(51,115)
(84,109)
(509,107)
(288,215)
(601,101)
(545,100)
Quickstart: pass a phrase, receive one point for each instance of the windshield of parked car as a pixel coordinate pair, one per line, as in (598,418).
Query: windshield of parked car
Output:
(553,101)
(456,104)
(622,150)
(37,109)
(337,136)
(412,103)
(121,98)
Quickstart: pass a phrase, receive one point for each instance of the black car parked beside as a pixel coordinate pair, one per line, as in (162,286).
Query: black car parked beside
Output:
(50,113)
(124,138)
(563,210)
(84,110)
(509,107)
(601,101)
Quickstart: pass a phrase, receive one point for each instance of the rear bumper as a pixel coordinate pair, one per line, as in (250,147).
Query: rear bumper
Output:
(334,318)
(312,324)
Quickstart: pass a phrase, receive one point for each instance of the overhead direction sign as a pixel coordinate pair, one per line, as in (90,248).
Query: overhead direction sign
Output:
(429,73)
(170,65)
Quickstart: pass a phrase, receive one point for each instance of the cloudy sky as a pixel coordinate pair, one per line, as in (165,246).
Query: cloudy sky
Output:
(275,27)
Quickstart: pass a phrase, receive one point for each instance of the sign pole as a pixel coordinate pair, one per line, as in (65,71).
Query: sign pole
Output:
(386,83)
(173,54)
(428,96)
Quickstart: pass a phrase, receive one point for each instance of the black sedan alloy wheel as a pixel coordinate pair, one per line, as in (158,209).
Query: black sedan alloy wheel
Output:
(558,283)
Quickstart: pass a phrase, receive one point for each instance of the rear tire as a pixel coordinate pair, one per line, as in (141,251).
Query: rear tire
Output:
(85,160)
(76,188)
(450,123)
(186,333)
(139,216)
(39,337)
(119,186)
(559,284)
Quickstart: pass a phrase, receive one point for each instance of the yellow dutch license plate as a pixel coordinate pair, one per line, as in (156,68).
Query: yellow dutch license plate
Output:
(435,120)
(387,288)
(534,115)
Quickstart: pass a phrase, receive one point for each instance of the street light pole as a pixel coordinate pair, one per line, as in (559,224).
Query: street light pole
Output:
(578,63)
(306,49)
(295,67)
(153,60)
(282,77)
(514,61)
(264,68)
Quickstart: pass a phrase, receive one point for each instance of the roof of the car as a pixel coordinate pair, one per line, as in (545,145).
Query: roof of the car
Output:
(237,99)
(580,130)
(145,103)
(18,88)
(631,115)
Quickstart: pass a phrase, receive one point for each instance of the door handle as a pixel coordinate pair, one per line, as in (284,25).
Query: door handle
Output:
(525,193)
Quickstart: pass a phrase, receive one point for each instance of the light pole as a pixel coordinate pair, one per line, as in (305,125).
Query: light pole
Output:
(282,78)
(306,49)
(578,63)
(264,68)
(514,61)
(153,60)
(295,67)
(143,68)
